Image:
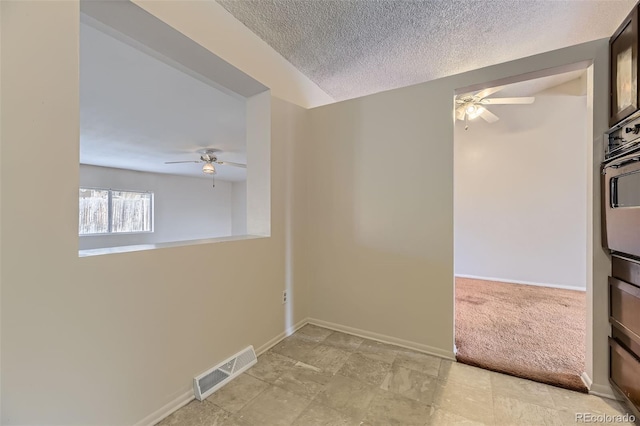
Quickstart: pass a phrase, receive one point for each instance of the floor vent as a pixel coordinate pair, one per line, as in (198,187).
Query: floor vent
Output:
(213,379)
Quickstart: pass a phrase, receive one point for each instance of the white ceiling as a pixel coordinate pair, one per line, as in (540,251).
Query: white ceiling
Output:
(136,112)
(355,48)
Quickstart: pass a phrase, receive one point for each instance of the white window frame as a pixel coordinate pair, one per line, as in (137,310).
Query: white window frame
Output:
(110,211)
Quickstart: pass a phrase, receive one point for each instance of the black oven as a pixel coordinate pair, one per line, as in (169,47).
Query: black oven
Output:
(621,188)
(621,198)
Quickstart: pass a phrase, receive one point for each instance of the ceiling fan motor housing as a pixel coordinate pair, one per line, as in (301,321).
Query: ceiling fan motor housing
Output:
(209,158)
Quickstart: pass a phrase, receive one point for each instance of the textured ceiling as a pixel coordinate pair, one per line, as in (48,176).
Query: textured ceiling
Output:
(136,112)
(354,48)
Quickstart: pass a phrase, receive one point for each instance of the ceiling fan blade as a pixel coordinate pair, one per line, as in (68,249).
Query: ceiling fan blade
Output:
(508,101)
(177,162)
(487,92)
(230,163)
(488,116)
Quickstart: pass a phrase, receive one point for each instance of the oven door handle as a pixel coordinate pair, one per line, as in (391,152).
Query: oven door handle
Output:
(621,162)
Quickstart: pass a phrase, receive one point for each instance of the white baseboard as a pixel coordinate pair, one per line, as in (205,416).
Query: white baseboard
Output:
(502,280)
(183,399)
(430,350)
(288,332)
(186,396)
(603,391)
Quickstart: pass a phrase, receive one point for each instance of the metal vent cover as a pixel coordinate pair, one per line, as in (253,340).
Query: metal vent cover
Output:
(213,379)
(209,381)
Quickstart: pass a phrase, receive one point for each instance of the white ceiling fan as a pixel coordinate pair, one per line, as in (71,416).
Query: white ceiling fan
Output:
(470,106)
(210,158)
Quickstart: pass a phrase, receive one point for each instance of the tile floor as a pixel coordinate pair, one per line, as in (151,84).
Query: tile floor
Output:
(323,377)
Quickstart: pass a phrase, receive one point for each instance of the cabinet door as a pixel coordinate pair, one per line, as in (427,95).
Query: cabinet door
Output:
(624,373)
(623,61)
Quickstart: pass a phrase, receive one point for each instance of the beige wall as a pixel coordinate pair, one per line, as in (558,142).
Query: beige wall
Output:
(381,195)
(110,339)
(381,205)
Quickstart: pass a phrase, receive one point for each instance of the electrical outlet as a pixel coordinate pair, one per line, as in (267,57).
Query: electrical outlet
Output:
(284,297)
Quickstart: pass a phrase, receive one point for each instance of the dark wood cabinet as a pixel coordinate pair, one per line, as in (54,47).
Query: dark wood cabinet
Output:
(623,65)
(624,316)
(625,370)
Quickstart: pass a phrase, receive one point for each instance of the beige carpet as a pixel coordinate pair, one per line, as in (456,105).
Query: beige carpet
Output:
(537,333)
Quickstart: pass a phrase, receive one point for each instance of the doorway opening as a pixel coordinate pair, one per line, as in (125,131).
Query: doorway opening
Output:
(522,159)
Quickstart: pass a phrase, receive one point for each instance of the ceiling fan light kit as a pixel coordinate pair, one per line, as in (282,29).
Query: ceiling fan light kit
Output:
(474,111)
(209,169)
(469,107)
